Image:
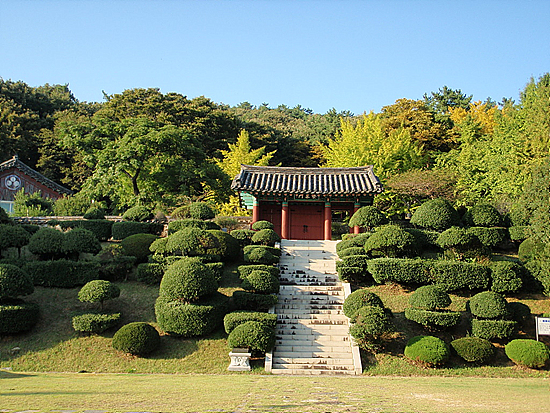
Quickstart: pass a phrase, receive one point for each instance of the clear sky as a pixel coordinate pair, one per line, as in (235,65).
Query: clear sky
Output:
(347,54)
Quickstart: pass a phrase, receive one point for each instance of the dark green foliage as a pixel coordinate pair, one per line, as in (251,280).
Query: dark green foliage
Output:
(489,237)
(482,215)
(101,228)
(507,276)
(232,320)
(369,324)
(80,240)
(180,212)
(493,329)
(228,248)
(245,270)
(521,313)
(244,300)
(136,338)
(360,261)
(176,226)
(190,242)
(424,239)
(368,217)
(200,210)
(358,299)
(94,213)
(4,217)
(460,242)
(427,350)
(531,249)
(159,246)
(538,276)
(252,335)
(216,268)
(400,270)
(113,264)
(429,297)
(436,214)
(243,236)
(260,256)
(47,243)
(191,320)
(259,225)
(474,349)
(352,251)
(528,353)
(13,236)
(14,282)
(62,273)
(431,319)
(95,323)
(121,230)
(137,246)
(98,291)
(261,282)
(266,237)
(356,275)
(137,214)
(519,233)
(30,228)
(390,241)
(228,223)
(18,316)
(454,276)
(187,280)
(488,305)
(150,273)
(273,250)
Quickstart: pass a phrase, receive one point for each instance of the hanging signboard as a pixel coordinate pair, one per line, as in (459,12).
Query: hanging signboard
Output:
(542,325)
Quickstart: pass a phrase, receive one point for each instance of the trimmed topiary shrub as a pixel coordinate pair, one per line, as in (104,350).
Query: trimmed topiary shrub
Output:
(137,246)
(243,236)
(429,297)
(261,282)
(431,319)
(94,213)
(216,268)
(113,264)
(47,243)
(187,280)
(427,350)
(98,291)
(369,325)
(259,225)
(400,270)
(352,251)
(245,270)
(244,300)
(360,261)
(150,273)
(507,276)
(460,243)
(531,249)
(200,210)
(232,320)
(79,240)
(489,237)
(390,241)
(519,233)
(4,217)
(228,247)
(368,217)
(424,239)
(474,349)
(17,316)
(358,299)
(136,338)
(14,282)
(493,329)
(227,223)
(488,305)
(124,229)
(482,215)
(62,273)
(275,251)
(13,236)
(190,242)
(436,214)
(453,275)
(137,214)
(356,275)
(260,256)
(176,226)
(101,228)
(521,313)
(252,335)
(266,237)
(527,353)
(95,323)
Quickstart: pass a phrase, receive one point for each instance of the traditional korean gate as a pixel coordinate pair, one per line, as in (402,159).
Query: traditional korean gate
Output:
(272,212)
(306,221)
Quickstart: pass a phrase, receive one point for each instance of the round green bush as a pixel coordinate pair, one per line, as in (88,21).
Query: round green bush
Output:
(521,313)
(245,270)
(507,276)
(520,232)
(243,236)
(351,251)
(80,240)
(200,210)
(407,271)
(429,297)
(227,223)
(431,319)
(489,237)
(427,350)
(232,320)
(187,280)
(175,226)
(260,256)
(13,236)
(14,282)
(369,324)
(482,215)
(17,316)
(95,323)
(528,353)
(190,242)
(358,299)
(46,243)
(252,335)
(181,212)
(531,249)
(137,214)
(98,291)
(474,349)
(228,247)
(436,214)
(123,229)
(488,305)
(138,245)
(261,282)
(94,213)
(390,241)
(273,250)
(259,225)
(266,237)
(136,338)
(493,329)
(368,217)
(245,300)
(460,241)
(150,273)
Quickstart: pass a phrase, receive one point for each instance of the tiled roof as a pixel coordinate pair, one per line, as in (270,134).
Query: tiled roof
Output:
(27,170)
(314,181)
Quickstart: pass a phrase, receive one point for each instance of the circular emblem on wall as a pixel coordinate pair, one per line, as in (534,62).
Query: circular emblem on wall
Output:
(13,182)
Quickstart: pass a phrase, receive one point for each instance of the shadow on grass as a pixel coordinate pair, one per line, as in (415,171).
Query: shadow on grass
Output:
(9,375)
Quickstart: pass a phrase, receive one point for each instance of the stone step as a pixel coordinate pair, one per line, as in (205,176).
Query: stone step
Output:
(315,338)
(300,329)
(301,345)
(313,366)
(281,361)
(284,310)
(312,372)
(313,354)
(312,316)
(314,300)
(306,294)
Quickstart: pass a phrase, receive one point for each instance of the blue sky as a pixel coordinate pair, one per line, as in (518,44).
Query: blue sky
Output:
(347,54)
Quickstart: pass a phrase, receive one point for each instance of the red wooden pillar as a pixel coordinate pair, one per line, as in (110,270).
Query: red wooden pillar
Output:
(328,221)
(356,206)
(284,220)
(255,210)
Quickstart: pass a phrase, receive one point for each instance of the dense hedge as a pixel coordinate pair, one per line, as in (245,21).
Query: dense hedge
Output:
(187,280)
(369,324)
(261,282)
(436,214)
(95,323)
(390,241)
(260,225)
(351,251)
(101,228)
(368,217)
(216,268)
(260,256)
(47,243)
(137,246)
(245,270)
(176,226)
(244,300)
(13,236)
(17,316)
(136,338)
(94,213)
(62,273)
(521,313)
(273,250)
(400,270)
(98,291)
(461,242)
(507,276)
(253,335)
(493,329)
(482,215)
(424,239)
(121,230)
(189,241)
(358,299)
(429,297)
(488,305)
(150,273)
(266,237)
(228,248)
(520,232)
(531,249)
(232,320)
(137,214)
(528,353)
(113,264)
(353,268)
(455,276)
(243,236)
(200,210)
(489,237)
(80,240)
(433,320)
(427,350)
(14,282)
(474,349)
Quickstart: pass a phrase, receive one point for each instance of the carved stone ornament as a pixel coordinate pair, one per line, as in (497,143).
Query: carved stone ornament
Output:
(240,360)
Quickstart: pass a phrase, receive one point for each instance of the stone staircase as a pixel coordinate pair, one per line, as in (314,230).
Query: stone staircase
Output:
(312,331)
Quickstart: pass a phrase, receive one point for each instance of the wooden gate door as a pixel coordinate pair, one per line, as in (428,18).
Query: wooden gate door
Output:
(271,213)
(306,221)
